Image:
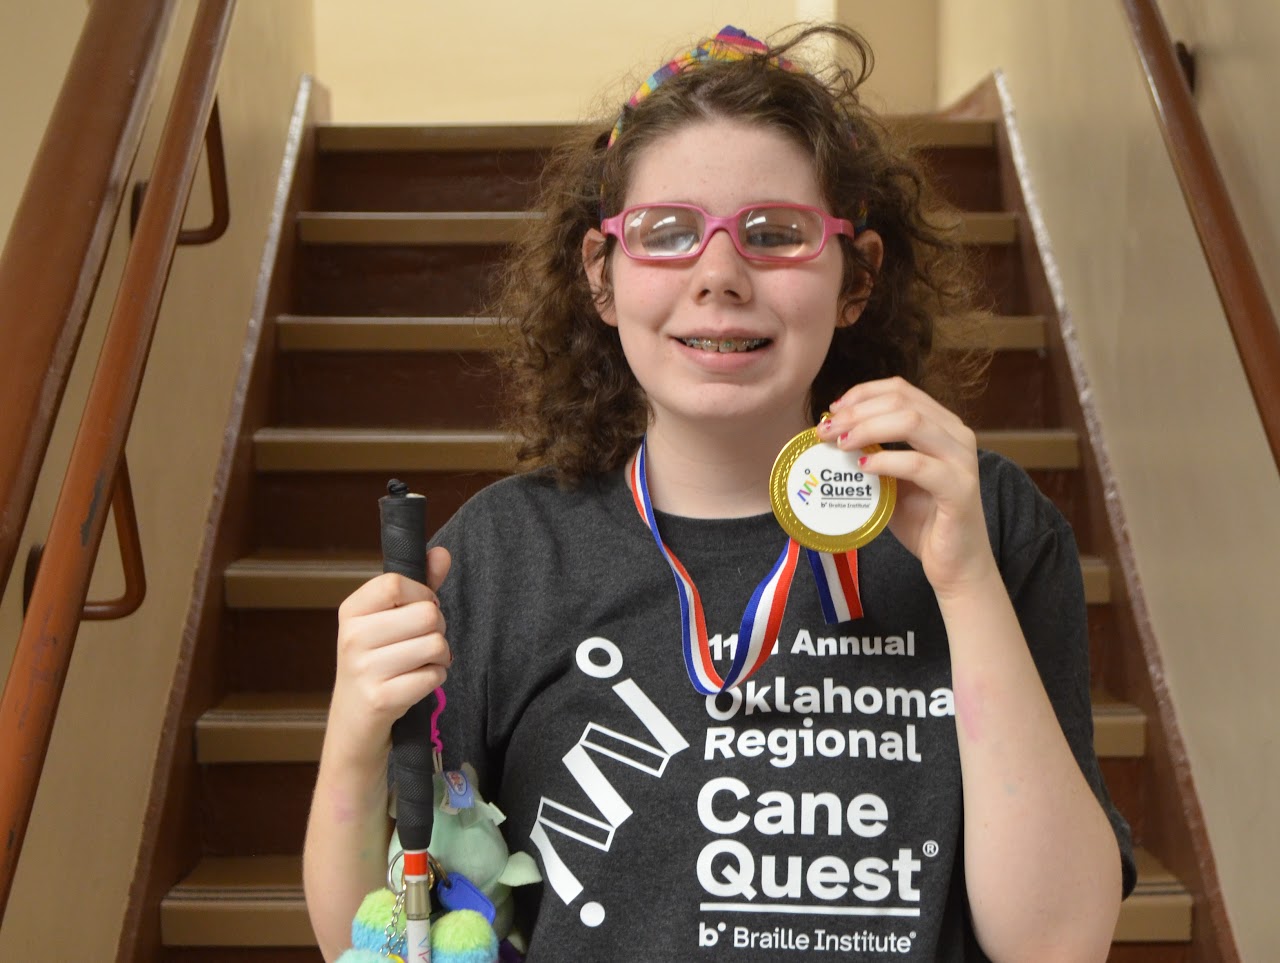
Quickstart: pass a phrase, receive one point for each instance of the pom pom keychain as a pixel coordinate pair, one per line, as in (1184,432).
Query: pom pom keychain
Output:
(463,936)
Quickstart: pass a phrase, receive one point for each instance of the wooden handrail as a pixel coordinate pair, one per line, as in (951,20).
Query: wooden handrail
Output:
(1244,299)
(58,238)
(48,632)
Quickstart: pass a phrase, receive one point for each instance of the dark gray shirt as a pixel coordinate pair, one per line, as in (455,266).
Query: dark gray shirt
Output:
(815,812)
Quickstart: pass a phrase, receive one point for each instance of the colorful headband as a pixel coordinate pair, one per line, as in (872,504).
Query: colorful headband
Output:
(728,45)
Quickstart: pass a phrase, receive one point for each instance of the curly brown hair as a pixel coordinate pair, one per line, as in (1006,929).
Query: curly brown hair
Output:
(575,405)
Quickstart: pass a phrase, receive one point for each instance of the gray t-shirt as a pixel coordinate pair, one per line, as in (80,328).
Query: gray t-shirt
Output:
(815,811)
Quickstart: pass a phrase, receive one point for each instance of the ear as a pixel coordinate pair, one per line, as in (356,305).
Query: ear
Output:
(594,264)
(871,247)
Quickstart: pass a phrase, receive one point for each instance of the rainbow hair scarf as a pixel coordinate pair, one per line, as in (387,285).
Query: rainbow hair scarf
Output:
(729,44)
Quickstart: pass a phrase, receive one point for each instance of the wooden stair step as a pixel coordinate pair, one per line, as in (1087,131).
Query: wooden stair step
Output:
(257,901)
(503,227)
(302,333)
(249,901)
(373,449)
(267,727)
(413,227)
(1013,332)
(918,130)
(379,449)
(310,582)
(985,227)
(1159,908)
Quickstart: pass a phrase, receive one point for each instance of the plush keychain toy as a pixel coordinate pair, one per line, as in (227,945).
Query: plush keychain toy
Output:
(479,872)
(460,936)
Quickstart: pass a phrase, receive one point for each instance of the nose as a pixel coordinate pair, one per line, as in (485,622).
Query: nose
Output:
(720,271)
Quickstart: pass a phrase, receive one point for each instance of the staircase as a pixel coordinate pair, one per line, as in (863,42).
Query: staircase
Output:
(371,361)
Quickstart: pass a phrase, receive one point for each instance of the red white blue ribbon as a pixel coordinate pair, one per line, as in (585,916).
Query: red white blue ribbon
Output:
(836,577)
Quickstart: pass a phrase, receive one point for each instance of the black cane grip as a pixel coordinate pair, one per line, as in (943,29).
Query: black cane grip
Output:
(404,531)
(403,518)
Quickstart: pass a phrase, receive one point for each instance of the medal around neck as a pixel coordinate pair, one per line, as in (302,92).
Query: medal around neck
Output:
(824,500)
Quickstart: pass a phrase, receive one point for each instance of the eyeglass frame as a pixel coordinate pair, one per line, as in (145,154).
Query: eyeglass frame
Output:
(831,225)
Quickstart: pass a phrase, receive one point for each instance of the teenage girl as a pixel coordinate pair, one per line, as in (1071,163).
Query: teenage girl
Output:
(914,777)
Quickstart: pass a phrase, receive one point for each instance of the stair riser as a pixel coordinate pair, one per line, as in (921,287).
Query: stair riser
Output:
(1120,953)
(1149,953)
(293,650)
(420,280)
(243,954)
(1017,393)
(964,176)
(463,390)
(287,505)
(396,280)
(507,181)
(1002,286)
(235,822)
(428,180)
(388,389)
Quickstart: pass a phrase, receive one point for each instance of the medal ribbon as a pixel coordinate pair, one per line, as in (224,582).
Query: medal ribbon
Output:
(836,577)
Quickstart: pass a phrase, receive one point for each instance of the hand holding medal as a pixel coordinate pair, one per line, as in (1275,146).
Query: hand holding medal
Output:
(938,515)
(822,496)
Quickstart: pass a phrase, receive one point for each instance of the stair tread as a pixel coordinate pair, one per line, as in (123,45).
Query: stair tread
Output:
(257,900)
(401,449)
(920,130)
(502,227)
(259,727)
(310,580)
(338,333)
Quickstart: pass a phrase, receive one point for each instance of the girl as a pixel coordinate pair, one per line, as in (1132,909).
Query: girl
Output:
(740,254)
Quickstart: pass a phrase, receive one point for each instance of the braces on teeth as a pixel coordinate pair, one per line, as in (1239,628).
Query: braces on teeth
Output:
(725,347)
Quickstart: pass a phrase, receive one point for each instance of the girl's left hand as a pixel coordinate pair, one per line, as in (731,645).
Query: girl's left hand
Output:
(939,515)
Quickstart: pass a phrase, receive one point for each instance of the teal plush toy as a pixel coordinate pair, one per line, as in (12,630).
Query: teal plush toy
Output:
(468,841)
(465,840)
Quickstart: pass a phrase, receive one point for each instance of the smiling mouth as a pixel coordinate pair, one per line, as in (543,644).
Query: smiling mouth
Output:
(725,346)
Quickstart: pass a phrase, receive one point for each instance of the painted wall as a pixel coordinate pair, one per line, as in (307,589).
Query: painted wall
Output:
(99,764)
(36,43)
(1195,478)
(507,60)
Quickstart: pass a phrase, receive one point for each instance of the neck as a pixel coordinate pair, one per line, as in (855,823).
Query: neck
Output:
(705,471)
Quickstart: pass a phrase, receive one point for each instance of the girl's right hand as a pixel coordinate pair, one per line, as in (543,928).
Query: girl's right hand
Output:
(392,653)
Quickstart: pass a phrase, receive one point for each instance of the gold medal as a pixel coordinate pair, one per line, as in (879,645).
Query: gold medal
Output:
(824,500)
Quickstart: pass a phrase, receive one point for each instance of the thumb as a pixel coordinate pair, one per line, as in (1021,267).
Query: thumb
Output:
(439,561)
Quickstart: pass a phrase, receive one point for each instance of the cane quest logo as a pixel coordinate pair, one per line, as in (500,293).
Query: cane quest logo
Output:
(822,864)
(597,830)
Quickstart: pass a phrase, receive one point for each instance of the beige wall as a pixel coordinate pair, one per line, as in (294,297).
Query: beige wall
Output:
(96,778)
(1194,476)
(509,60)
(36,43)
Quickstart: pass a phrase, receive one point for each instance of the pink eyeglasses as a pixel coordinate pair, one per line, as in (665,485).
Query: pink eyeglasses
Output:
(761,232)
